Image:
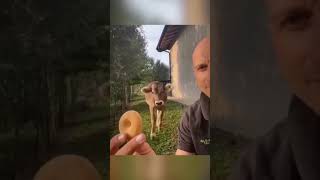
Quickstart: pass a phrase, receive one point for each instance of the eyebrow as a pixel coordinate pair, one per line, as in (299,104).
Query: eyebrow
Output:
(201,64)
(293,4)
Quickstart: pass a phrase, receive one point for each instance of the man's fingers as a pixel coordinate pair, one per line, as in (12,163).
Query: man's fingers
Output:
(116,142)
(132,145)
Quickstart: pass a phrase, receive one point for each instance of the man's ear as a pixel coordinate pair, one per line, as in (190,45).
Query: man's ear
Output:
(146,89)
(168,87)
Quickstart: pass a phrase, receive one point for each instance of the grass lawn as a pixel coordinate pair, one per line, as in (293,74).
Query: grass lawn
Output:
(166,141)
(225,146)
(85,134)
(225,151)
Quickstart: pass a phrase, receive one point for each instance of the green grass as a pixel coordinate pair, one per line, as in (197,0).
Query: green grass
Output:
(226,149)
(166,141)
(84,134)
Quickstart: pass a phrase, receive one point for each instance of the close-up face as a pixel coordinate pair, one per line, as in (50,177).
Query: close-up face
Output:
(295,28)
(201,65)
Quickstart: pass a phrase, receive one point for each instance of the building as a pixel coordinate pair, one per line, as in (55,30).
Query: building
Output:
(179,41)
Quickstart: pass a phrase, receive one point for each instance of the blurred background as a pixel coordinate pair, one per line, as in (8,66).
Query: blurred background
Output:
(53,83)
(172,12)
(160,167)
(249,94)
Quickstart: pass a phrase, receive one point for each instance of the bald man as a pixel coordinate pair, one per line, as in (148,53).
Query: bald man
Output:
(68,167)
(193,131)
(290,150)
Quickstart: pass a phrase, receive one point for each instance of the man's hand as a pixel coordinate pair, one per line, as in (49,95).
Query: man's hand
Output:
(183,153)
(136,146)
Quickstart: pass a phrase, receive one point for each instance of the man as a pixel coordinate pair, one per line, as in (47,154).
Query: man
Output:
(194,127)
(291,149)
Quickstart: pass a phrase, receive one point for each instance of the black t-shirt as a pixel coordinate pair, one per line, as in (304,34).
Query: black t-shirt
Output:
(291,150)
(194,129)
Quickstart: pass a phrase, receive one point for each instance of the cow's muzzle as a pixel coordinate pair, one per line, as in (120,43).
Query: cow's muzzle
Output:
(159,103)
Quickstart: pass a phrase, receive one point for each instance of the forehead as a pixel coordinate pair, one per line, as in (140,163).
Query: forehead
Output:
(157,86)
(201,52)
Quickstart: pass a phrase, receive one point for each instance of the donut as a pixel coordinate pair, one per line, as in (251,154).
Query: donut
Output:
(67,167)
(130,123)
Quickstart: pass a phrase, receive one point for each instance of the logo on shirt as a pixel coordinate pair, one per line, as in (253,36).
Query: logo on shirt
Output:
(205,141)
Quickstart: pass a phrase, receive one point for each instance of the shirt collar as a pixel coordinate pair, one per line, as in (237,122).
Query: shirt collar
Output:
(304,138)
(205,105)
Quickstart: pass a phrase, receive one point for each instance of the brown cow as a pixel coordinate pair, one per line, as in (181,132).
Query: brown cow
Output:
(156,96)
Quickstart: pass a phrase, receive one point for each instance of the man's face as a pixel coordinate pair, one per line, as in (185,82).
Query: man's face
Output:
(201,65)
(295,28)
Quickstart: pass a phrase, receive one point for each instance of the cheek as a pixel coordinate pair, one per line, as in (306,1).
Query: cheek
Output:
(206,78)
(291,53)
(203,79)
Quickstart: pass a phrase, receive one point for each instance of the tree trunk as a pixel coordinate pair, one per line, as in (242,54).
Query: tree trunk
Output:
(127,96)
(52,102)
(68,92)
(42,142)
(62,96)
(131,92)
(124,96)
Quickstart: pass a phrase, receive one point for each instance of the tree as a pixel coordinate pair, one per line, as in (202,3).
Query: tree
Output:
(160,71)
(43,43)
(129,62)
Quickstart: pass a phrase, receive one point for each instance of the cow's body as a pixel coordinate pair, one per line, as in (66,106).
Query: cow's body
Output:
(156,97)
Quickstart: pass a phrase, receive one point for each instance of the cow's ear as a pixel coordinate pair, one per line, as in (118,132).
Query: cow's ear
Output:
(168,87)
(146,89)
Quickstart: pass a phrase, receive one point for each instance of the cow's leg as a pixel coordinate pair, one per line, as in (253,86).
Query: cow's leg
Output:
(152,115)
(159,119)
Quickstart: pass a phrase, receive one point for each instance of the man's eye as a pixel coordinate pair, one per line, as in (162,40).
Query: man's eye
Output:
(297,19)
(202,67)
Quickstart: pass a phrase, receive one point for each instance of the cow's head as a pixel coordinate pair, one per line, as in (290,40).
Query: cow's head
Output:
(156,93)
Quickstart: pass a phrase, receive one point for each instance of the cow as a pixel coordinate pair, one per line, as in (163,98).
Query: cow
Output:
(156,97)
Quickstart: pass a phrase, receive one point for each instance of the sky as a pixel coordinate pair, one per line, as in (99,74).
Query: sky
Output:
(151,11)
(152,35)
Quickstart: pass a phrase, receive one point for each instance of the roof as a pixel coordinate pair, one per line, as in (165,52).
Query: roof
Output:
(169,36)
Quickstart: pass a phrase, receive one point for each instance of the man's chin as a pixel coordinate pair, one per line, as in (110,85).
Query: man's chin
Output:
(314,99)
(207,94)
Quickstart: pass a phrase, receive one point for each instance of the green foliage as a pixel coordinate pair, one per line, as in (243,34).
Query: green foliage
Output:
(71,33)
(127,52)
(129,63)
(160,71)
(226,148)
(43,42)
